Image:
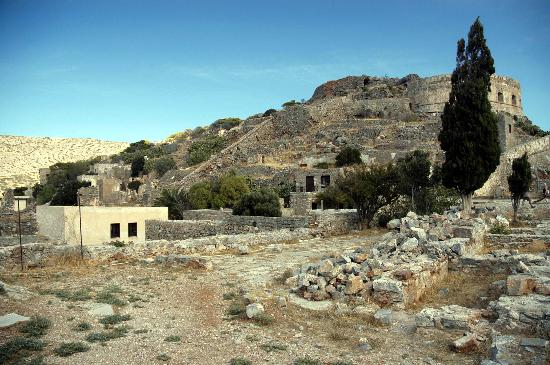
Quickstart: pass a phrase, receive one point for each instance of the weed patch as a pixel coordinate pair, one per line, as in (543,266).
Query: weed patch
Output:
(173,339)
(273,346)
(18,348)
(240,361)
(36,327)
(70,348)
(105,336)
(114,319)
(83,326)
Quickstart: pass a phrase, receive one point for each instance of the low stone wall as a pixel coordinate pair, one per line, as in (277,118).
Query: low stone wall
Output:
(184,229)
(332,221)
(41,254)
(9,223)
(206,214)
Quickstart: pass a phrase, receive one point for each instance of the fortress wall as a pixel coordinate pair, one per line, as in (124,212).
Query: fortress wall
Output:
(430,94)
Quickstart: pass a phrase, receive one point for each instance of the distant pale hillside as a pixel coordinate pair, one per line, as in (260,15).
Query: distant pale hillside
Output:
(21,157)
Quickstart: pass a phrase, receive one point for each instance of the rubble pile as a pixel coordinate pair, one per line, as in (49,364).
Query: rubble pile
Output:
(397,270)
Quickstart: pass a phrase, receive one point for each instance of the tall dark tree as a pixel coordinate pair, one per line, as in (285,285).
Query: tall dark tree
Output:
(519,181)
(469,135)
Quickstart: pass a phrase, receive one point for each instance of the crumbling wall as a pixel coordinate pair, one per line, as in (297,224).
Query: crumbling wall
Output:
(184,229)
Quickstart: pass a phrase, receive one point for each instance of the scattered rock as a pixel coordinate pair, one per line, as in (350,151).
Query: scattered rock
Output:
(99,309)
(467,343)
(254,309)
(10,319)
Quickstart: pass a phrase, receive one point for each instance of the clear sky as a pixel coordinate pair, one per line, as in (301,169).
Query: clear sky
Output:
(132,69)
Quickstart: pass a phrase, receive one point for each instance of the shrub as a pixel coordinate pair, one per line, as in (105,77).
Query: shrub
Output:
(114,319)
(236,308)
(231,187)
(134,185)
(436,199)
(500,228)
(264,319)
(269,112)
(273,346)
(160,165)
(163,357)
(307,361)
(397,209)
(109,298)
(226,123)
(19,347)
(173,338)
(261,202)
(70,348)
(348,156)
(528,127)
(334,198)
(105,336)
(321,165)
(176,200)
(83,326)
(240,361)
(36,327)
(138,165)
(201,150)
(370,189)
(200,195)
(290,103)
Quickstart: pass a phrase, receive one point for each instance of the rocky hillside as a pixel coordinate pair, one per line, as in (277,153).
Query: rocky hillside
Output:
(21,157)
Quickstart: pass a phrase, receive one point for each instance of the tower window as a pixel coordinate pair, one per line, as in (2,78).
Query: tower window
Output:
(514,101)
(509,128)
(500,97)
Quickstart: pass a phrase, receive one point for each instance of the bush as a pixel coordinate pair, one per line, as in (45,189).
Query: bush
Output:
(70,348)
(240,361)
(528,127)
(307,361)
(176,200)
(269,112)
(226,123)
(36,327)
(114,319)
(261,202)
(231,187)
(398,209)
(160,165)
(200,195)
(436,199)
(19,347)
(134,185)
(290,103)
(321,165)
(201,150)
(173,338)
(348,156)
(83,326)
(138,164)
(105,336)
(334,198)
(500,228)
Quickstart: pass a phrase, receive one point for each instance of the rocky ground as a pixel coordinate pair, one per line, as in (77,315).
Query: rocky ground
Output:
(185,315)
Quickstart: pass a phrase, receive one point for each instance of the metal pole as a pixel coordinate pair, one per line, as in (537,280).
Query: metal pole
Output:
(20,241)
(80,221)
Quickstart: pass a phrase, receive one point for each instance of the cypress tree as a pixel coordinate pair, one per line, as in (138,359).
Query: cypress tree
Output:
(469,134)
(519,181)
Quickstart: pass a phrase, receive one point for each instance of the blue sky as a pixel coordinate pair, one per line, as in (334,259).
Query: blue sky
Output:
(132,69)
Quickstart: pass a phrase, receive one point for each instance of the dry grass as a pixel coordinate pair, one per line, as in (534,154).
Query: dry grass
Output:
(464,287)
(534,247)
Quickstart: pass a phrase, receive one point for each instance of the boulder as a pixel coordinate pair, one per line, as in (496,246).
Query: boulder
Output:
(254,309)
(410,244)
(467,343)
(394,224)
(520,284)
(10,319)
(354,285)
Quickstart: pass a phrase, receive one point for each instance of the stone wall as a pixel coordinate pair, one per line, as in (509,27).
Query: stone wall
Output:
(332,221)
(429,95)
(185,229)
(206,214)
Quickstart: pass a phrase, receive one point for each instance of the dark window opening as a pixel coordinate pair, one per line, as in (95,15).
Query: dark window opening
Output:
(325,181)
(254,224)
(410,106)
(500,98)
(314,206)
(514,101)
(132,230)
(115,230)
(509,128)
(310,184)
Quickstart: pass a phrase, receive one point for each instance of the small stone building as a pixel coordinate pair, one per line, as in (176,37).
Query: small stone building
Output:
(308,184)
(99,224)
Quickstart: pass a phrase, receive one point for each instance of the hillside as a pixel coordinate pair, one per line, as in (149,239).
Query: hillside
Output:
(23,156)
(383,117)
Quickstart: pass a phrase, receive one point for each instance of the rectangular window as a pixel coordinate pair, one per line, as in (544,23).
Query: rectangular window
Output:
(132,229)
(115,230)
(325,181)
(310,184)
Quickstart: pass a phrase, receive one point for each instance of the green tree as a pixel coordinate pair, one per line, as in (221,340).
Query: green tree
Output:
(160,165)
(134,185)
(469,134)
(176,200)
(334,198)
(261,202)
(200,195)
(66,193)
(370,189)
(414,174)
(231,187)
(519,181)
(348,156)
(138,164)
